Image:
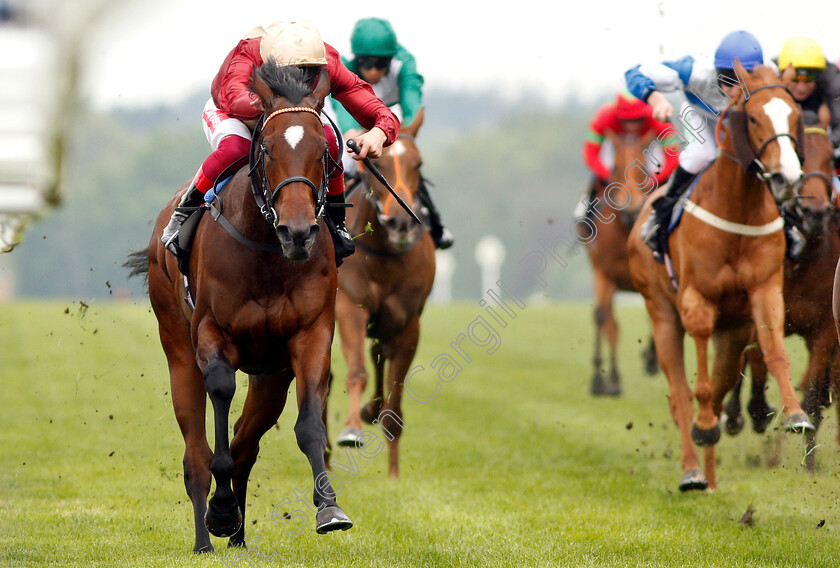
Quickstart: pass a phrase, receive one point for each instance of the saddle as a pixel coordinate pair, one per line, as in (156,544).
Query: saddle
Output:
(186,234)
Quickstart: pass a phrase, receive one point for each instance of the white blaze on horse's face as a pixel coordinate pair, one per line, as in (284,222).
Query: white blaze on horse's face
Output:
(778,111)
(398,148)
(293,135)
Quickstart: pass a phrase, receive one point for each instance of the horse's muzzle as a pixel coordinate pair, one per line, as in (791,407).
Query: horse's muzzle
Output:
(297,241)
(401,230)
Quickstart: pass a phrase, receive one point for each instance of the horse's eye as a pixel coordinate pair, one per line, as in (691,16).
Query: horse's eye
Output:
(753,120)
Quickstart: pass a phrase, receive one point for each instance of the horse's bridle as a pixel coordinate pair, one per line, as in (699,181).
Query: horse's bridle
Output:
(398,184)
(829,184)
(263,194)
(761,172)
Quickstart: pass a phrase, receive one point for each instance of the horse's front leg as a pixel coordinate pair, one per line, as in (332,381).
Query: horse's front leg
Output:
(402,350)
(606,327)
(223,517)
(263,405)
(768,308)
(352,323)
(310,353)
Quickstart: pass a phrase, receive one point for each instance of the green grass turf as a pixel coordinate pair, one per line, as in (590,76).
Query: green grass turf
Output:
(512,463)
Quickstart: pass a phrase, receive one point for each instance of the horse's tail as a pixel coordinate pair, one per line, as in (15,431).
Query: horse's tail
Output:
(137,264)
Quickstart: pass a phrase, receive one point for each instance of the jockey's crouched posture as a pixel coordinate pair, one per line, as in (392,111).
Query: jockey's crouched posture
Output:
(233,110)
(389,68)
(626,116)
(700,90)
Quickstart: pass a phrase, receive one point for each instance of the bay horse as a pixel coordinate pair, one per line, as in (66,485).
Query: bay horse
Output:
(618,205)
(382,290)
(807,291)
(263,280)
(727,275)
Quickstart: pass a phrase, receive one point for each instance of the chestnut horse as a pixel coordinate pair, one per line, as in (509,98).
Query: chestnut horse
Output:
(382,289)
(263,279)
(807,292)
(727,256)
(616,207)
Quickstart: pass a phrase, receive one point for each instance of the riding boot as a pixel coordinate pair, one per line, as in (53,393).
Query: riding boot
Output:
(440,235)
(342,240)
(191,199)
(584,206)
(661,208)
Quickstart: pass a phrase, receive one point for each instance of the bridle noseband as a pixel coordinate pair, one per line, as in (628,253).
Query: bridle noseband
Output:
(263,194)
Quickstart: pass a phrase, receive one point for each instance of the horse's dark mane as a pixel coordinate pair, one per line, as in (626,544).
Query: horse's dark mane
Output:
(287,81)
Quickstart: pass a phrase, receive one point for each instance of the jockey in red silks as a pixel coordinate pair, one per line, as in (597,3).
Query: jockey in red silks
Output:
(626,116)
(233,110)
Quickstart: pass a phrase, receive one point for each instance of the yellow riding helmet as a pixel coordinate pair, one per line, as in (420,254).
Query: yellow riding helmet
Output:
(801,52)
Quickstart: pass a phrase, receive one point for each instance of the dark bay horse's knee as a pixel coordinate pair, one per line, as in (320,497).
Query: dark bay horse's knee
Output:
(220,380)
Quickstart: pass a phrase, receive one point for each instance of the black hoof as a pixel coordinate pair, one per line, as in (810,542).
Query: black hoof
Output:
(704,438)
(331,519)
(598,386)
(693,480)
(205,549)
(762,415)
(223,520)
(236,542)
(371,410)
(732,424)
(651,362)
(799,423)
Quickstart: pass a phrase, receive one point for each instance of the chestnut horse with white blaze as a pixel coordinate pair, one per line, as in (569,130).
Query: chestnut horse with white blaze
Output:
(617,206)
(807,292)
(382,290)
(263,278)
(727,258)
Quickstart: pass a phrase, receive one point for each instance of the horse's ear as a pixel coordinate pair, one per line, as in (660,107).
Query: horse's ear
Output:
(322,89)
(743,74)
(261,88)
(800,138)
(412,128)
(648,137)
(739,138)
(788,75)
(824,115)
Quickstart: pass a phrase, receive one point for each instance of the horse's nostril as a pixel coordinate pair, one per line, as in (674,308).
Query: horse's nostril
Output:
(777,178)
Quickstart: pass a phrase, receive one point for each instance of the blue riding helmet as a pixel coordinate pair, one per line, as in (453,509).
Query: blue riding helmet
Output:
(739,45)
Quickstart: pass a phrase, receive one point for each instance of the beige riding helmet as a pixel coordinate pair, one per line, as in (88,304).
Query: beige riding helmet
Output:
(291,42)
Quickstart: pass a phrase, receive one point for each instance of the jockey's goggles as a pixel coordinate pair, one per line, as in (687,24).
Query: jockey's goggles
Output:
(368,63)
(806,75)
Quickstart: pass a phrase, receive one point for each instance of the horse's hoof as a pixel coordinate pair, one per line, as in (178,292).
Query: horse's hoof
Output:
(598,387)
(799,423)
(204,549)
(350,437)
(704,438)
(761,417)
(732,424)
(331,519)
(223,521)
(651,362)
(371,410)
(237,543)
(692,480)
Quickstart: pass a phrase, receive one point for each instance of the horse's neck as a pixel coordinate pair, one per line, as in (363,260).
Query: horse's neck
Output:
(737,195)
